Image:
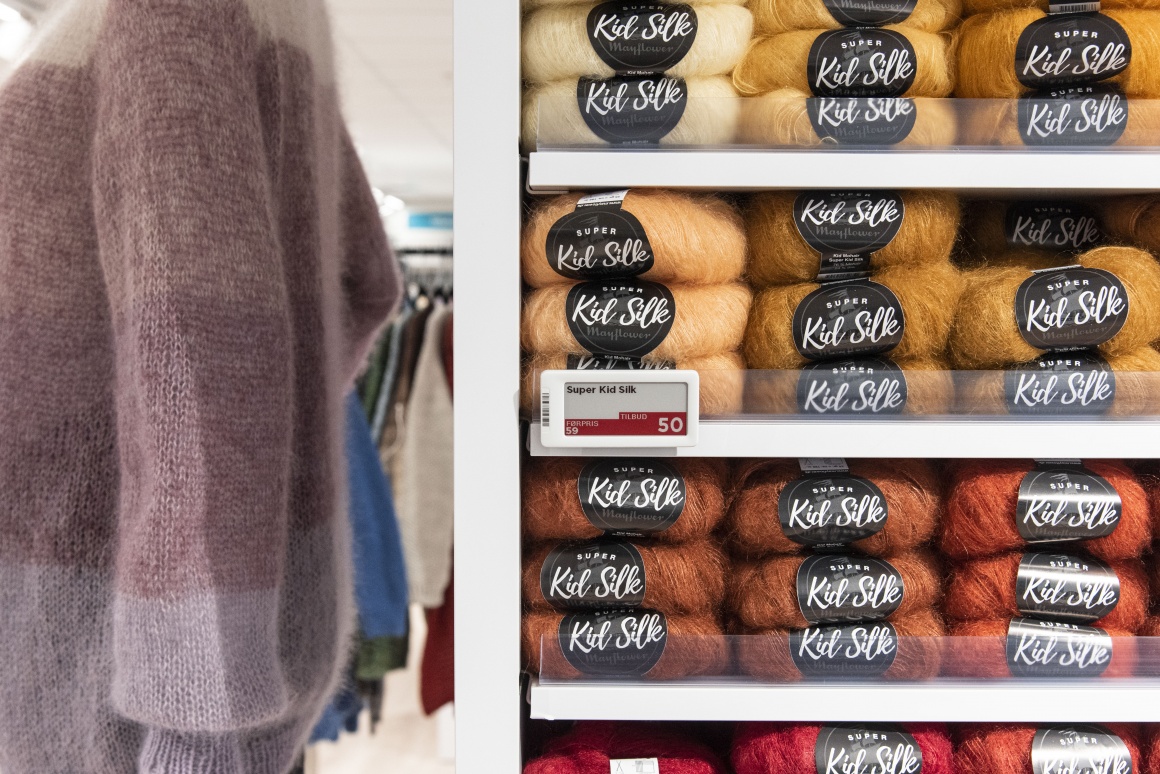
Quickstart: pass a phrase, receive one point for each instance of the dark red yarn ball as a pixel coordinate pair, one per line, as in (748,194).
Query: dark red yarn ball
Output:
(788,748)
(589,746)
(1006,748)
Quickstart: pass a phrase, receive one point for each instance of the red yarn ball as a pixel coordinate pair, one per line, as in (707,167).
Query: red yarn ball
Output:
(1006,748)
(590,746)
(778,748)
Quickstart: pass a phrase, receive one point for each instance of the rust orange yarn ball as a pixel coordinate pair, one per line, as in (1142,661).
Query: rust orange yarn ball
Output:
(789,748)
(1006,748)
(1134,220)
(979,650)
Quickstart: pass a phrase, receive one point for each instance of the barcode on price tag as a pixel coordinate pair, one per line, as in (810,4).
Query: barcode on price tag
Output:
(634,766)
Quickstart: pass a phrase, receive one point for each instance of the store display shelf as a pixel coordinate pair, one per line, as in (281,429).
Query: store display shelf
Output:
(943,438)
(996,702)
(982,171)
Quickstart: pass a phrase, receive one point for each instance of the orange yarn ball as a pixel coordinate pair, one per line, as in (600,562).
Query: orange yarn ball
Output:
(979,650)
(773,16)
(1134,220)
(989,122)
(1006,748)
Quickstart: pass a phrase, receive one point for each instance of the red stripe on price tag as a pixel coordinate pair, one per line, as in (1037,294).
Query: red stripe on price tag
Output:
(634,423)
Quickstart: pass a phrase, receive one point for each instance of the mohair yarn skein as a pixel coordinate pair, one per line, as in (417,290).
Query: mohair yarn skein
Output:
(551,116)
(779,62)
(695,646)
(985,334)
(551,503)
(985,588)
(766,654)
(979,520)
(929,296)
(763,594)
(555,43)
(996,122)
(707,320)
(985,239)
(697,239)
(912,489)
(979,650)
(679,579)
(1134,220)
(986,53)
(778,254)
(789,748)
(782,118)
(1006,748)
(771,17)
(722,380)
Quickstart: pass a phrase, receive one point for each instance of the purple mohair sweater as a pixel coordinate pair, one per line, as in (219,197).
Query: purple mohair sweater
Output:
(191,268)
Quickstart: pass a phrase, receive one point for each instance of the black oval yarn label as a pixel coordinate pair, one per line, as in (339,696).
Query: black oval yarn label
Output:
(1078,383)
(844,319)
(632,109)
(866,749)
(860,63)
(1079,749)
(831,510)
(620,317)
(870,13)
(641,37)
(576,362)
(1054,649)
(1075,116)
(840,588)
(1062,587)
(1071,49)
(614,643)
(862,120)
(1066,227)
(631,496)
(849,651)
(598,240)
(599,574)
(848,221)
(1070,308)
(1059,504)
(869,386)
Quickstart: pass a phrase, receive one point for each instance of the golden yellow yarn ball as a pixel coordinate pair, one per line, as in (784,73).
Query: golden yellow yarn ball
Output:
(773,16)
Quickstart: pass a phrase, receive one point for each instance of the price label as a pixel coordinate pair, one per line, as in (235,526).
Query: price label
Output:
(637,409)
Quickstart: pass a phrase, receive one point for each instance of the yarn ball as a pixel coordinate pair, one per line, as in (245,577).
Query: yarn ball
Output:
(1150,480)
(590,746)
(722,380)
(679,579)
(928,294)
(912,489)
(1006,748)
(551,116)
(986,53)
(986,6)
(551,503)
(984,588)
(985,332)
(778,254)
(789,748)
(779,62)
(979,520)
(695,646)
(1133,219)
(771,17)
(764,594)
(707,320)
(978,649)
(766,654)
(695,238)
(782,119)
(985,243)
(989,122)
(556,46)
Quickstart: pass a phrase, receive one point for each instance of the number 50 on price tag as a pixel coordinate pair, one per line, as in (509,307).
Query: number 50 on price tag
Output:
(640,409)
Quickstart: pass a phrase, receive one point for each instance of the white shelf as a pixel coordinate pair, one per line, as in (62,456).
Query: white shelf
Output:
(995,702)
(1008,172)
(964,438)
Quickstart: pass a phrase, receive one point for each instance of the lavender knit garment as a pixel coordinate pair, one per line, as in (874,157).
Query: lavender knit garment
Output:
(191,268)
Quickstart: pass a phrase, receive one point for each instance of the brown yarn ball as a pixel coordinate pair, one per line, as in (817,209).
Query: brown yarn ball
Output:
(695,238)
(766,654)
(1134,219)
(986,53)
(678,579)
(1006,748)
(763,594)
(695,646)
(722,380)
(781,119)
(985,239)
(779,62)
(771,17)
(983,588)
(707,320)
(551,503)
(912,489)
(979,520)
(780,256)
(978,649)
(989,122)
(929,296)
(985,333)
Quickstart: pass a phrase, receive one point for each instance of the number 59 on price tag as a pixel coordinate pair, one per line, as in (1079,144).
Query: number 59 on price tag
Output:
(638,409)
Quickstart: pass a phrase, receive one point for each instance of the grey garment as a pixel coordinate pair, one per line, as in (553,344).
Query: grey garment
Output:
(387,385)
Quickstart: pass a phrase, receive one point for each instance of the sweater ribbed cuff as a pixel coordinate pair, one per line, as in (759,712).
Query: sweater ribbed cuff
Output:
(268,751)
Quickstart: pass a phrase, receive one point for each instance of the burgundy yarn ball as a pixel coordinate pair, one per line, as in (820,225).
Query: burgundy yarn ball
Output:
(591,745)
(788,748)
